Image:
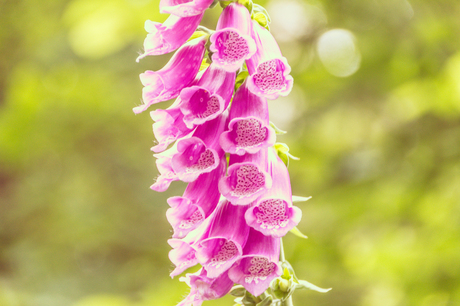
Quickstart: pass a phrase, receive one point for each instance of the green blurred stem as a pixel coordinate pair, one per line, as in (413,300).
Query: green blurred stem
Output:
(288,302)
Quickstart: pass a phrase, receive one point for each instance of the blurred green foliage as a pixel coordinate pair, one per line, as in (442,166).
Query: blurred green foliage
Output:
(379,149)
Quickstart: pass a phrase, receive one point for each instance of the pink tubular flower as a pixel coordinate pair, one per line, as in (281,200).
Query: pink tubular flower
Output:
(169,126)
(225,237)
(182,254)
(204,288)
(178,73)
(259,264)
(167,37)
(232,42)
(208,98)
(247,178)
(184,8)
(197,203)
(249,129)
(268,69)
(200,153)
(274,215)
(167,174)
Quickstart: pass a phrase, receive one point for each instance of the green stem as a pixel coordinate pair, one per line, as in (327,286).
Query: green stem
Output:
(288,302)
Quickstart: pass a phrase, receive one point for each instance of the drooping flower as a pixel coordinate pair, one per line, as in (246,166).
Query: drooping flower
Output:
(259,264)
(182,254)
(268,69)
(249,129)
(197,203)
(274,213)
(247,178)
(223,242)
(204,288)
(200,153)
(169,36)
(208,98)
(178,73)
(184,8)
(232,42)
(169,126)
(167,174)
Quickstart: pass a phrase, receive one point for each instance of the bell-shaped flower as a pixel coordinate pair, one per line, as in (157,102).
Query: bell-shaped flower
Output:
(246,179)
(274,214)
(167,173)
(268,69)
(204,288)
(232,42)
(184,8)
(169,126)
(169,36)
(197,203)
(182,254)
(249,128)
(226,236)
(208,98)
(259,264)
(200,153)
(178,73)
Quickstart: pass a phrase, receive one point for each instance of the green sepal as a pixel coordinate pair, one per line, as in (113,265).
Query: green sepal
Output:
(257,8)
(262,20)
(240,78)
(298,233)
(283,152)
(214,4)
(303,284)
(224,4)
(197,34)
(247,3)
(300,199)
(266,302)
(238,291)
(278,131)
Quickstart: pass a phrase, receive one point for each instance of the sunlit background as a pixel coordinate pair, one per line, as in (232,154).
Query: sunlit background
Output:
(374,116)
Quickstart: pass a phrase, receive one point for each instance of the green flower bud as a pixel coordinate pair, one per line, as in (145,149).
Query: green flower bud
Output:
(284,285)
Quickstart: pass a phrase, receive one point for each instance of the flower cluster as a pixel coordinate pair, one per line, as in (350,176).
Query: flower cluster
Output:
(238,203)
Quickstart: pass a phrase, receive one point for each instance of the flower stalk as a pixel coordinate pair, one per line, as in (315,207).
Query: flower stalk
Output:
(217,137)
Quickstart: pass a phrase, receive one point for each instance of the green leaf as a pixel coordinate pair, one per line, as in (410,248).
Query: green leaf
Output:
(298,233)
(306,285)
(300,199)
(197,34)
(278,131)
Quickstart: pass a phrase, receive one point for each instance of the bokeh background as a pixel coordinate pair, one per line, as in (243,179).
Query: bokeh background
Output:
(374,117)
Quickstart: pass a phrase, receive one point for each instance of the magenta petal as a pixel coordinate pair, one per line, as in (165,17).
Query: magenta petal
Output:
(247,135)
(268,69)
(226,237)
(274,214)
(184,8)
(259,264)
(193,158)
(178,73)
(184,216)
(169,126)
(198,202)
(167,174)
(182,256)
(167,37)
(204,288)
(209,97)
(232,43)
(247,178)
